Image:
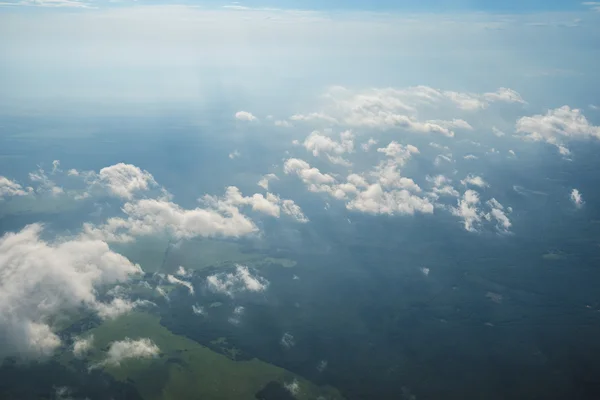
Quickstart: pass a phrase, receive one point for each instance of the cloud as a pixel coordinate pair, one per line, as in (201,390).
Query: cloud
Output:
(557,127)
(387,108)
(473,217)
(293,387)
(312,177)
(245,116)
(401,154)
(148,217)
(124,180)
(45,184)
(264,181)
(467,210)
(290,208)
(470,157)
(181,271)
(239,281)
(593,5)
(234,154)
(374,200)
(283,123)
(118,306)
(318,144)
(497,213)
(368,144)
(49,3)
(176,281)
(11,188)
(287,340)
(576,198)
(497,132)
(198,310)
(82,345)
(40,279)
(474,180)
(128,349)
(442,187)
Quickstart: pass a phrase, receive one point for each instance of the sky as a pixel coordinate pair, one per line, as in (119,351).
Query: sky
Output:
(462,112)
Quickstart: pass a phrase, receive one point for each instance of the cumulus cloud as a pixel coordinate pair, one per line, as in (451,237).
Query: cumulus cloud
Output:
(401,154)
(312,177)
(290,208)
(10,188)
(82,345)
(234,154)
(151,216)
(468,211)
(557,127)
(287,340)
(176,281)
(386,108)
(474,180)
(40,279)
(118,306)
(366,146)
(441,187)
(198,310)
(245,116)
(234,282)
(264,181)
(473,216)
(576,198)
(319,144)
(124,180)
(128,349)
(375,200)
(44,184)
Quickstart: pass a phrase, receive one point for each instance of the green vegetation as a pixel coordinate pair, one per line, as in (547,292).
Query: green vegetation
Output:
(187,370)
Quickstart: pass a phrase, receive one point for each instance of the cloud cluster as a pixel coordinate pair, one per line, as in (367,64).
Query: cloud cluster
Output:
(128,349)
(39,279)
(10,188)
(557,127)
(319,144)
(387,108)
(175,281)
(472,216)
(82,345)
(234,282)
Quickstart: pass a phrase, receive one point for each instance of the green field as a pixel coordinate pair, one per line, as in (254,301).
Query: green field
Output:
(187,370)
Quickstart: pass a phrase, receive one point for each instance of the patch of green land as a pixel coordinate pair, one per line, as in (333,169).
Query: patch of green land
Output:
(187,370)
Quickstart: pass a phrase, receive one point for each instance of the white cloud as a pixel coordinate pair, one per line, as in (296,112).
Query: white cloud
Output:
(318,144)
(82,345)
(368,144)
(40,279)
(293,387)
(234,154)
(287,340)
(245,116)
(45,184)
(182,272)
(124,180)
(497,212)
(283,123)
(400,108)
(55,167)
(312,177)
(11,188)
(49,3)
(470,157)
(264,181)
(474,180)
(128,349)
(576,198)
(290,208)
(593,5)
(442,187)
(374,200)
(175,281)
(239,281)
(198,310)
(497,132)
(401,154)
(150,216)
(118,306)
(467,210)
(557,127)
